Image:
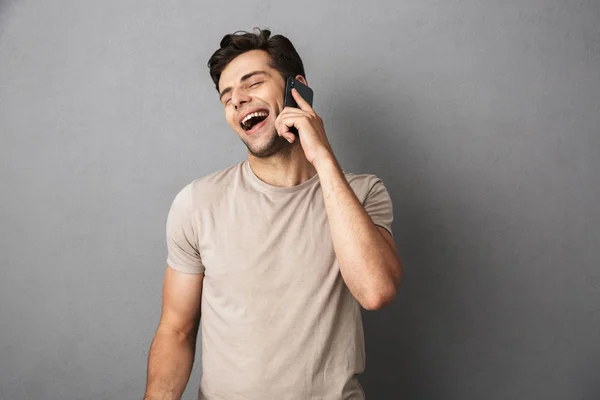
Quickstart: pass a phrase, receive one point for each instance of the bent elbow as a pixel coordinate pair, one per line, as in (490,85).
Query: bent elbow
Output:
(380,299)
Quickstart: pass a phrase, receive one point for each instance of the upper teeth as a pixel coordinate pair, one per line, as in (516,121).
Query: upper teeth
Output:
(254,114)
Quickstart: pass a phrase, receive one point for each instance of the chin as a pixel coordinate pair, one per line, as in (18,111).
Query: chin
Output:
(265,146)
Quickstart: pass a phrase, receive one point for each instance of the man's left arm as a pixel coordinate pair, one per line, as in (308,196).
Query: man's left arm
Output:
(366,253)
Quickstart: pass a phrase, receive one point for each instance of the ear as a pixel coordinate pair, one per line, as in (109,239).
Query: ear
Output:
(301,79)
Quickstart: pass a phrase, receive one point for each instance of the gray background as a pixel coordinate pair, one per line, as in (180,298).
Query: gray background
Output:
(482,118)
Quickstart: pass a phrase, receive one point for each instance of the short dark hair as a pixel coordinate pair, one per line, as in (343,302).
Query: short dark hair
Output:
(284,57)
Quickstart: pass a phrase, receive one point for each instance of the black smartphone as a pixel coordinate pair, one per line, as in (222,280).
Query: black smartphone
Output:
(305,92)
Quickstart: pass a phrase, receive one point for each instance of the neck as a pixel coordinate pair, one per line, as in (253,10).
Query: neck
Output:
(286,168)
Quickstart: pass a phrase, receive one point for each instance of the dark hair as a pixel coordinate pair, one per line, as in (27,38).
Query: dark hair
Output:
(284,57)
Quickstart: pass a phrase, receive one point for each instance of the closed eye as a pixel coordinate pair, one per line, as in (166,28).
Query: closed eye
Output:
(256,84)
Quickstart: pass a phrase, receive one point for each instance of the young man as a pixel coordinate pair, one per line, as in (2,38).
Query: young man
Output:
(277,253)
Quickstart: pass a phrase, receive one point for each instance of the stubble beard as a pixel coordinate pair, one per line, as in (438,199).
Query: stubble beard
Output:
(267,145)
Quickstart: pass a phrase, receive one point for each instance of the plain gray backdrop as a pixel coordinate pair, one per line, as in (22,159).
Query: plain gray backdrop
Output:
(481,117)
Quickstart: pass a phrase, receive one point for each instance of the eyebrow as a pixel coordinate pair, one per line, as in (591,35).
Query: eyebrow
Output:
(244,78)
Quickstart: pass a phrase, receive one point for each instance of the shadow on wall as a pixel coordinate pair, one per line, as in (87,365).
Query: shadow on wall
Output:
(407,341)
(380,143)
(452,332)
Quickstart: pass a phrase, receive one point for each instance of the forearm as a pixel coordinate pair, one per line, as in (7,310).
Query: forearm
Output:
(169,365)
(368,264)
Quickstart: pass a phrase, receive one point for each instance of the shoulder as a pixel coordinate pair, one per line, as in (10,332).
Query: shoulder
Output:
(363,184)
(211,188)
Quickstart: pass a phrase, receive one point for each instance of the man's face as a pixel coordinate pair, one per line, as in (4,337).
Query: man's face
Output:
(251,92)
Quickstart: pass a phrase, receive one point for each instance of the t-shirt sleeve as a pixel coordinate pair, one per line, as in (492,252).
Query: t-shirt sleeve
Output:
(182,239)
(378,205)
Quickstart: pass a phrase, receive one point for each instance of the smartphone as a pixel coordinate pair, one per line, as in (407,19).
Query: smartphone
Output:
(305,92)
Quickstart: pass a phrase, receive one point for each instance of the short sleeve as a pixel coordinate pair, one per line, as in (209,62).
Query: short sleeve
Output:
(182,244)
(378,205)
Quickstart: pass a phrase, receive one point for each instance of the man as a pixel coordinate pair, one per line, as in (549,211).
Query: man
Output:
(277,253)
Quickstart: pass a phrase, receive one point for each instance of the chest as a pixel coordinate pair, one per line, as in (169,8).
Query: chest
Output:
(266,244)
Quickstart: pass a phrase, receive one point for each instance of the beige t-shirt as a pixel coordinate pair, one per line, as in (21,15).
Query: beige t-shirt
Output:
(278,322)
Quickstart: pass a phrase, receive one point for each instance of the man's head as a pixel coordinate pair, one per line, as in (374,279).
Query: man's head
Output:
(249,72)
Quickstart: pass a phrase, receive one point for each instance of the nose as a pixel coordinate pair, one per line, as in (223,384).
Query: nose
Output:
(239,97)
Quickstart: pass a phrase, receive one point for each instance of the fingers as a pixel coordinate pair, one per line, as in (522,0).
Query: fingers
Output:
(293,111)
(283,124)
(292,116)
(300,100)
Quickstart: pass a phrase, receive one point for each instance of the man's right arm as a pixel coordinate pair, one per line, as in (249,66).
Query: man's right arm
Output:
(172,351)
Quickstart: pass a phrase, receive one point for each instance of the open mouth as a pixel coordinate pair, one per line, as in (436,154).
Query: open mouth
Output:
(253,121)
